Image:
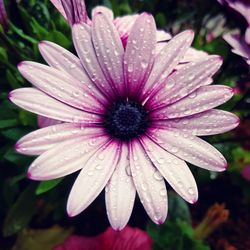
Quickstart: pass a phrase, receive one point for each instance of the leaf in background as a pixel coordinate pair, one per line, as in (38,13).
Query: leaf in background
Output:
(13,80)
(178,208)
(45,239)
(20,33)
(14,133)
(59,38)
(8,123)
(22,211)
(28,118)
(176,235)
(45,186)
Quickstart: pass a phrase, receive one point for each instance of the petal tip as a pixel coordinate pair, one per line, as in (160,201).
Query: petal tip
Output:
(10,95)
(17,147)
(29,175)
(20,64)
(160,222)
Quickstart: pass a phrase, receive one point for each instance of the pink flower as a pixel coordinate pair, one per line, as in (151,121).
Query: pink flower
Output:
(243,8)
(239,44)
(3,16)
(130,119)
(240,47)
(245,172)
(128,238)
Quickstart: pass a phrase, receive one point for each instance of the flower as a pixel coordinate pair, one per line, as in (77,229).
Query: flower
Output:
(129,238)
(245,172)
(3,16)
(239,44)
(240,47)
(130,119)
(243,8)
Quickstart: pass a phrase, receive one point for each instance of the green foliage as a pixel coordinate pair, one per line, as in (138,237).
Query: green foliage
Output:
(21,213)
(45,186)
(177,232)
(174,235)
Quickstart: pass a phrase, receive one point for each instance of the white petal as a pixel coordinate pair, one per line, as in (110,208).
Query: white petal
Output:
(152,191)
(39,141)
(109,51)
(86,52)
(120,193)
(93,178)
(189,148)
(65,158)
(173,169)
(210,122)
(40,103)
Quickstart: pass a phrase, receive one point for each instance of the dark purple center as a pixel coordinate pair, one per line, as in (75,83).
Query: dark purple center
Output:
(126,120)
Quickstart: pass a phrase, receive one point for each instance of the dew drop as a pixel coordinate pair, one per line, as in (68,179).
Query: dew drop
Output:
(144,64)
(130,68)
(163,192)
(191,191)
(157,175)
(99,167)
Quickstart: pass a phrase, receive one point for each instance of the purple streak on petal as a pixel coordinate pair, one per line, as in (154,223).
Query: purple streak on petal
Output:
(43,121)
(93,177)
(58,5)
(83,44)
(184,81)
(140,53)
(40,103)
(189,148)
(120,193)
(66,157)
(210,122)
(167,60)
(61,86)
(42,140)
(104,10)
(75,10)
(242,7)
(173,169)
(202,99)
(152,191)
(3,16)
(240,47)
(109,51)
(124,25)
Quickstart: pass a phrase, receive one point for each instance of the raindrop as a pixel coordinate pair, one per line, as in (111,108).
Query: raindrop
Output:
(99,167)
(163,192)
(157,175)
(191,191)
(144,64)
(130,68)
(174,149)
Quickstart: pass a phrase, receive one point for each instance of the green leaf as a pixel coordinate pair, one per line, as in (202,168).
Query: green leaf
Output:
(14,133)
(176,235)
(178,208)
(8,123)
(59,38)
(42,239)
(21,213)
(45,186)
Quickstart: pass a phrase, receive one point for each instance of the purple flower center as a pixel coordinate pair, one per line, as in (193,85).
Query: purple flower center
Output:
(126,120)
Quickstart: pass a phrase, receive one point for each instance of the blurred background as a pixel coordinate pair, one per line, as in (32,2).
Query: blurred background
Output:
(33,215)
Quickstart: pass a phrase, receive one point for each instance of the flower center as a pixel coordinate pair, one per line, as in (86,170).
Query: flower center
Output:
(126,120)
